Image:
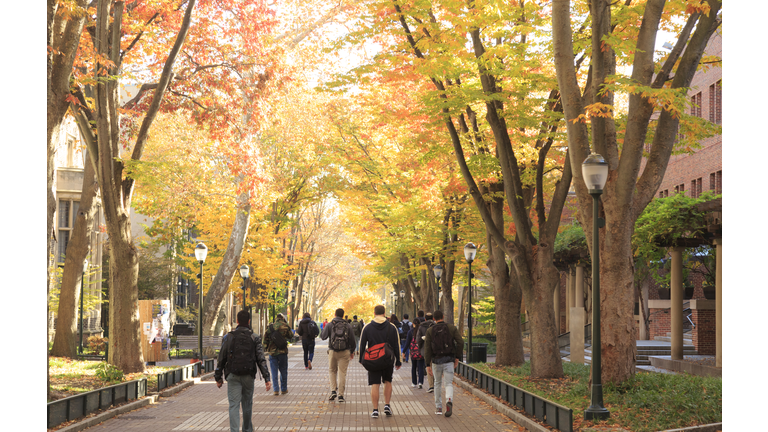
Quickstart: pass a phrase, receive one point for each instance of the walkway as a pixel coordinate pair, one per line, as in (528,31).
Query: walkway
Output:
(204,407)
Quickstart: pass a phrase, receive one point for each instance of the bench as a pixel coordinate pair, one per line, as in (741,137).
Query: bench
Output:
(186,342)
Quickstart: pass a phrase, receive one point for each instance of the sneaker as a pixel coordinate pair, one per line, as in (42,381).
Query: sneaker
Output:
(341,398)
(387,410)
(413,385)
(419,385)
(277,393)
(448,408)
(431,389)
(375,414)
(309,362)
(332,396)
(305,367)
(284,392)
(439,411)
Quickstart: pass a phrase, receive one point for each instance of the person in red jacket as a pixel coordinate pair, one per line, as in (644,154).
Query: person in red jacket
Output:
(380,330)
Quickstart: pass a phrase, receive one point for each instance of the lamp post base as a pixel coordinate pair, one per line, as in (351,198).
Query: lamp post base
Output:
(595,412)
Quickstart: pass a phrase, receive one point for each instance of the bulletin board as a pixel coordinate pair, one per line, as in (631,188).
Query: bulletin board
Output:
(154,317)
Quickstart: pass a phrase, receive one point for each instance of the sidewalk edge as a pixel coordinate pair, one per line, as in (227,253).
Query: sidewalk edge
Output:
(518,418)
(114,412)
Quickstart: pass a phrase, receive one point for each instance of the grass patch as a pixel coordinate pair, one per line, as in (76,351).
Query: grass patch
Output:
(646,402)
(70,377)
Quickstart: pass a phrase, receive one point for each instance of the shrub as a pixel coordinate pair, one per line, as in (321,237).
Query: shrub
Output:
(108,372)
(97,344)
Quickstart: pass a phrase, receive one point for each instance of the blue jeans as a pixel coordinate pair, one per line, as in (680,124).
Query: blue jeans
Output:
(309,350)
(240,393)
(417,371)
(443,378)
(279,362)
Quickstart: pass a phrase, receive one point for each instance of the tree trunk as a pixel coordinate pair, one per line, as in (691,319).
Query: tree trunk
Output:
(507,294)
(446,285)
(124,327)
(66,339)
(229,264)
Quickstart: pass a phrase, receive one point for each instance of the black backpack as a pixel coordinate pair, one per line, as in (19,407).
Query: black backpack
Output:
(241,359)
(442,341)
(277,338)
(357,328)
(406,327)
(339,335)
(313,330)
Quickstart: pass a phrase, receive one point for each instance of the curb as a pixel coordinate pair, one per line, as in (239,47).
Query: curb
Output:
(147,400)
(713,427)
(518,418)
(106,415)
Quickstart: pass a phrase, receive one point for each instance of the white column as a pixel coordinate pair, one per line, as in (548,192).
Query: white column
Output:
(676,303)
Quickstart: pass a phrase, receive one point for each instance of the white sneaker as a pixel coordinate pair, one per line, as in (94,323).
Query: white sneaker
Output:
(439,411)
(419,385)
(413,385)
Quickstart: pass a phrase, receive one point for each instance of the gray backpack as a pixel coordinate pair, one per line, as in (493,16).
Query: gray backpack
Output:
(339,335)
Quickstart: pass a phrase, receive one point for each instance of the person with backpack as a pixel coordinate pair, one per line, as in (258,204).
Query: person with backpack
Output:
(341,348)
(276,339)
(420,336)
(308,331)
(379,355)
(417,360)
(406,326)
(357,329)
(241,353)
(443,348)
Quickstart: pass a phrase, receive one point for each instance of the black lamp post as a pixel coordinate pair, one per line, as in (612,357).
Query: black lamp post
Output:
(402,303)
(244,273)
(595,172)
(82,288)
(292,307)
(438,270)
(470,250)
(317,309)
(201,251)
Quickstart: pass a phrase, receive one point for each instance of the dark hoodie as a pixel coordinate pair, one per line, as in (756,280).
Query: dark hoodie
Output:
(303,329)
(379,331)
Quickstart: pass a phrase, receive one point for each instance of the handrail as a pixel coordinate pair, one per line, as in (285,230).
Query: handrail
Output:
(80,405)
(553,414)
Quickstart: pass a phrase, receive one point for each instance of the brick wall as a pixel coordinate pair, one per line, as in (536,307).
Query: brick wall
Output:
(705,332)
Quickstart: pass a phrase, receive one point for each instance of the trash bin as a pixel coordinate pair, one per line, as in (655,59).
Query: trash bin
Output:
(479,352)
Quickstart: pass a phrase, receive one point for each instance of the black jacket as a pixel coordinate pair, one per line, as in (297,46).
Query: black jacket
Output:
(458,345)
(261,361)
(303,329)
(378,331)
(328,330)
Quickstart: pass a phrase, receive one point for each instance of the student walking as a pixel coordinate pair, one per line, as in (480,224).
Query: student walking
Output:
(405,325)
(417,360)
(341,348)
(241,353)
(420,336)
(308,331)
(443,349)
(379,354)
(276,344)
(357,329)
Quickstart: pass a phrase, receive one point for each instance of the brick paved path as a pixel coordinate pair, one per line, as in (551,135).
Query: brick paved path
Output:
(204,407)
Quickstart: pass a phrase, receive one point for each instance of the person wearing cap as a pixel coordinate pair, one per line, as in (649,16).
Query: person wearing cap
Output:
(278,357)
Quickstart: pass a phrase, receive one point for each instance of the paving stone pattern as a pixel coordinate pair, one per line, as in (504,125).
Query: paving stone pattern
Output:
(203,407)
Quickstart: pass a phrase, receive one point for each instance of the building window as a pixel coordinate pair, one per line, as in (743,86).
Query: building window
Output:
(696,187)
(696,105)
(67,213)
(716,102)
(716,182)
(680,188)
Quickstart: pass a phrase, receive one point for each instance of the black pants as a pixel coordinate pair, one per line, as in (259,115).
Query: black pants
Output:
(309,350)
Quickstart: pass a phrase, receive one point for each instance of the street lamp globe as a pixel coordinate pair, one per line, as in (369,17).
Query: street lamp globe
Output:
(470,250)
(594,169)
(293,294)
(244,271)
(201,251)
(438,270)
(402,294)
